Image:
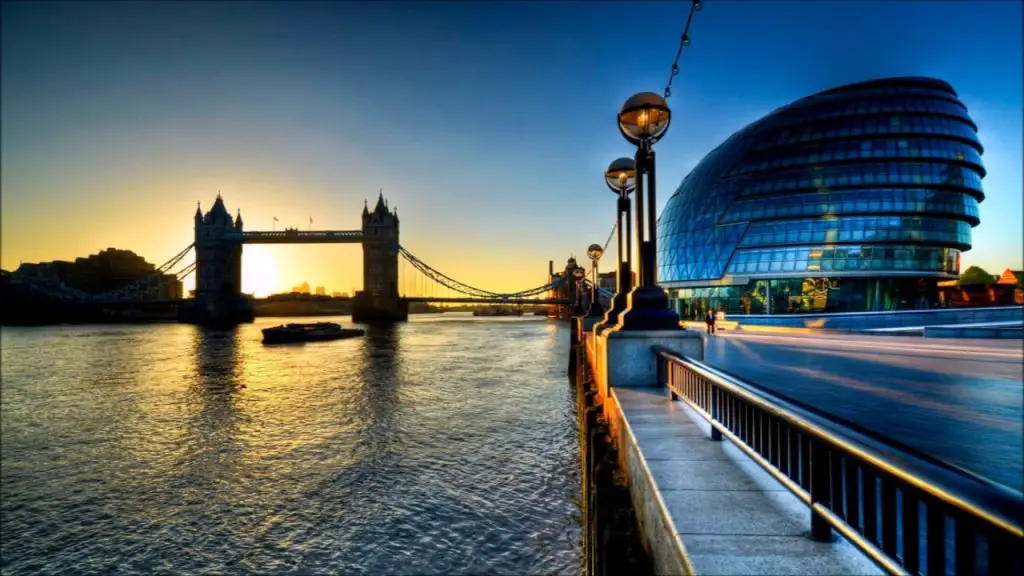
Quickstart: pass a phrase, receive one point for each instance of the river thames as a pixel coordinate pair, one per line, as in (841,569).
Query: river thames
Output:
(444,445)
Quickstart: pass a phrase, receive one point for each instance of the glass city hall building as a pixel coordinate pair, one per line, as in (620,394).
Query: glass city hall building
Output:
(859,198)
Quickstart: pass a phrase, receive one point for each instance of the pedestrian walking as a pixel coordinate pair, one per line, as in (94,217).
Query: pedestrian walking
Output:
(710,320)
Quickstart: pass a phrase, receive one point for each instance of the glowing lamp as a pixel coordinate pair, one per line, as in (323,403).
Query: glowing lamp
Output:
(644,118)
(621,175)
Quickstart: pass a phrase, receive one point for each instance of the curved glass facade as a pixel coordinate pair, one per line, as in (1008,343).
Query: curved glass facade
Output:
(857,198)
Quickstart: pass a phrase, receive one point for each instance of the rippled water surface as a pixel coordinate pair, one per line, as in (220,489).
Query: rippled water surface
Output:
(444,445)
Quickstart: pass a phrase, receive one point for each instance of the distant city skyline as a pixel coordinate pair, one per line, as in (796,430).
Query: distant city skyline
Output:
(490,139)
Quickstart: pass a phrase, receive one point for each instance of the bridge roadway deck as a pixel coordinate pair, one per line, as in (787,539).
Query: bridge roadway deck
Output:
(297,237)
(959,400)
(506,301)
(510,302)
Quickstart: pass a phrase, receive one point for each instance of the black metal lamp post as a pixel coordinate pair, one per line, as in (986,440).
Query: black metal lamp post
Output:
(644,119)
(621,178)
(578,274)
(595,251)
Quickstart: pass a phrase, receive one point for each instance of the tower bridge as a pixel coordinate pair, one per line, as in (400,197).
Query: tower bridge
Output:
(219,239)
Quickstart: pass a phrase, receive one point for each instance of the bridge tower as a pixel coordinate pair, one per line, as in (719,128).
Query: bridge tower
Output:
(218,267)
(379,300)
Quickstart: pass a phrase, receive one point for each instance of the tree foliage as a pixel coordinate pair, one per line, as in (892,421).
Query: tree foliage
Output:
(976,275)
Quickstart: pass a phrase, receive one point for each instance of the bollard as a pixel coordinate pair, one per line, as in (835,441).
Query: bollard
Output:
(573,350)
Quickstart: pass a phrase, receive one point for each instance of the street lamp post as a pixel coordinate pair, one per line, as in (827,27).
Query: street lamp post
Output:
(578,274)
(643,120)
(595,251)
(621,178)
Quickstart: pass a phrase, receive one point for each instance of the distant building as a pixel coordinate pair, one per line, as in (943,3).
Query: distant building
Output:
(321,291)
(610,280)
(301,288)
(1011,276)
(44,273)
(105,271)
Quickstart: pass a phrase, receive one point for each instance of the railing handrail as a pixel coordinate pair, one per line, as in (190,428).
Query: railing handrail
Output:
(832,431)
(986,502)
(772,395)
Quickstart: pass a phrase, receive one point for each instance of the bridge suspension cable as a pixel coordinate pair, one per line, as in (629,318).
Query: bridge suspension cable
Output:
(184,272)
(445,281)
(131,289)
(147,281)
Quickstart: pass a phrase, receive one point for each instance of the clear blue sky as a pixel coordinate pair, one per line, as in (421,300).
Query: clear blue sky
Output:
(488,124)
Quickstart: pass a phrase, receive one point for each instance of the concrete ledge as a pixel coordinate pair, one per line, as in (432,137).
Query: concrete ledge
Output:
(703,506)
(597,363)
(972,332)
(628,361)
(656,527)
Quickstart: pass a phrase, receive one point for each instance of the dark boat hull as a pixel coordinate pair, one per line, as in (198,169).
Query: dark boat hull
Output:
(277,336)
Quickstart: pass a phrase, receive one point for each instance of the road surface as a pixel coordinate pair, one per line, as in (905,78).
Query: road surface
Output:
(960,400)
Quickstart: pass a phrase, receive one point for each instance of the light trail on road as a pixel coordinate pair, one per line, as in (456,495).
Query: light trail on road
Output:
(1010,349)
(959,400)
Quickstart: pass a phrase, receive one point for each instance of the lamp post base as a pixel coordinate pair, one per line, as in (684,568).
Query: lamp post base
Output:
(647,309)
(611,316)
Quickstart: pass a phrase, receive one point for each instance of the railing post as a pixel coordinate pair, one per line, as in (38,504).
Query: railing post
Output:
(713,410)
(821,489)
(671,369)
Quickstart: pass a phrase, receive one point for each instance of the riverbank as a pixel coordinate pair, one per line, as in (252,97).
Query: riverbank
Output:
(612,539)
(20,307)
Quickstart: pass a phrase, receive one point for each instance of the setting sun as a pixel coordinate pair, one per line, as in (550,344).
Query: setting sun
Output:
(259,272)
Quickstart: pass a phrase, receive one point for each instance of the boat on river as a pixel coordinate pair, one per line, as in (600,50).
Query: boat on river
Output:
(314,332)
(497,311)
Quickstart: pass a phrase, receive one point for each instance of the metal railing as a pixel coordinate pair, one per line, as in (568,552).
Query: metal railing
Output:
(910,513)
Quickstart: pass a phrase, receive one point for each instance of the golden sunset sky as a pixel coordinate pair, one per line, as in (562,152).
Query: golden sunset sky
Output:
(490,139)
